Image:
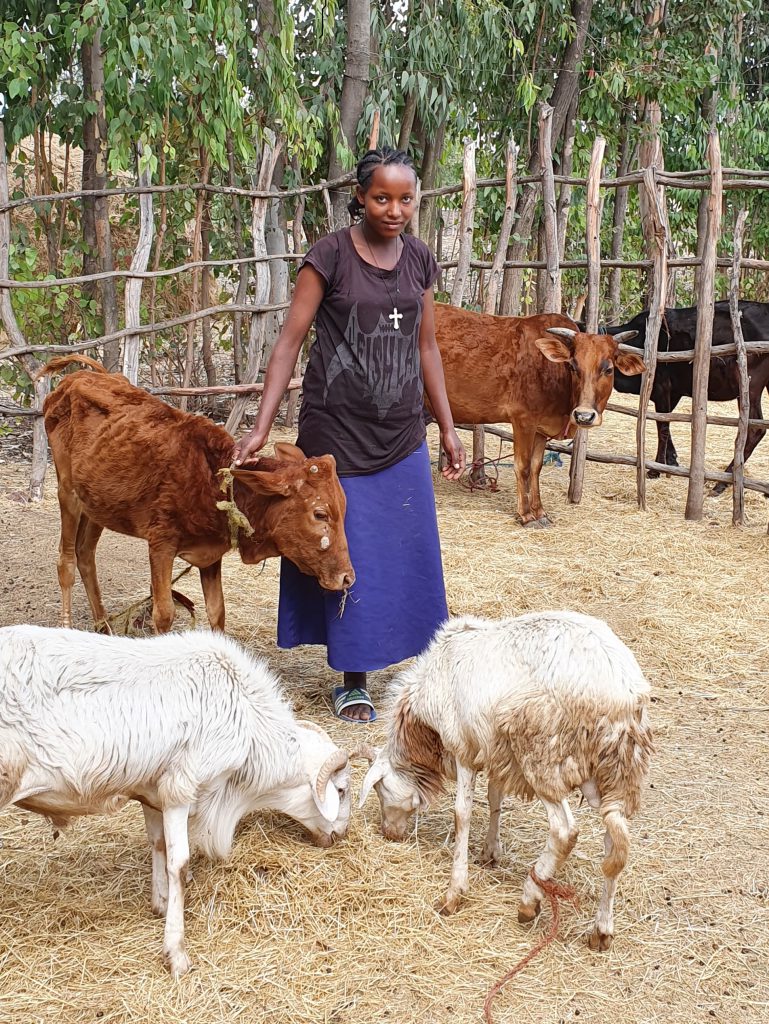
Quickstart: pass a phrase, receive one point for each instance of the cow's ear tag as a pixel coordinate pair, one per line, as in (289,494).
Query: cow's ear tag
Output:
(313,469)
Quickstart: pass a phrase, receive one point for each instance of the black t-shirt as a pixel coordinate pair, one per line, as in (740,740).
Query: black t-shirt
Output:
(362,392)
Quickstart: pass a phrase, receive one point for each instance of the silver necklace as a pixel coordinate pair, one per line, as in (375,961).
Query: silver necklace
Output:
(395,316)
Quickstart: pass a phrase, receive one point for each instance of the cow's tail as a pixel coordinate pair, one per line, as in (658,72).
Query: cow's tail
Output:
(60,362)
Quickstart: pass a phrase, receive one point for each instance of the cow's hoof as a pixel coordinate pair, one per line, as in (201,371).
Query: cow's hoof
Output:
(717,490)
(527,912)
(532,524)
(599,942)
(545,521)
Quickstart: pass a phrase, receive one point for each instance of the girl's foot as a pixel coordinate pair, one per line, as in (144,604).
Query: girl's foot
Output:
(352,702)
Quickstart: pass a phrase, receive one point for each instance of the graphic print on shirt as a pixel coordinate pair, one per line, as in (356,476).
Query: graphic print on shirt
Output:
(383,359)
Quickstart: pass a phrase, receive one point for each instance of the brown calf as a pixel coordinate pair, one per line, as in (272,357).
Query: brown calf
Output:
(539,373)
(128,462)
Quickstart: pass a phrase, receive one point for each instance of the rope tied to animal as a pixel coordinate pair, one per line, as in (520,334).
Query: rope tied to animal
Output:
(471,480)
(554,893)
(236,519)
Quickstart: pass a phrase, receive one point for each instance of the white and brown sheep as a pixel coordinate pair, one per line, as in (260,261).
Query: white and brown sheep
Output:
(190,725)
(545,703)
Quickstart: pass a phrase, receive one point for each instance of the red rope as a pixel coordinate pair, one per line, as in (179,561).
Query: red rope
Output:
(554,893)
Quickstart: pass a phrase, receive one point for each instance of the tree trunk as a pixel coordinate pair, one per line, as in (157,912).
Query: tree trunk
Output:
(407,120)
(240,252)
(621,196)
(154,375)
(133,286)
(354,89)
(95,146)
(270,153)
(17,339)
(566,88)
(197,236)
(205,295)
(276,238)
(432,154)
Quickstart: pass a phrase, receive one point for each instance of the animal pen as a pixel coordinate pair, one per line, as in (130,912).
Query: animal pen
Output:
(651,181)
(285,932)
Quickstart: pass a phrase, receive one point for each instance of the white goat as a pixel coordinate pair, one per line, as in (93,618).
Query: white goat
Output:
(190,725)
(545,703)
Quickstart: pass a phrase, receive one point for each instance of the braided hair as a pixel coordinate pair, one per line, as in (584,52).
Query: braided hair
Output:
(386,156)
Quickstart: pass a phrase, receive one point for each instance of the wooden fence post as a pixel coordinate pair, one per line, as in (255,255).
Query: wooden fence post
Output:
(139,262)
(655,232)
(593,239)
(738,467)
(496,274)
(414,222)
(466,223)
(262,283)
(17,339)
(705,310)
(498,265)
(552,288)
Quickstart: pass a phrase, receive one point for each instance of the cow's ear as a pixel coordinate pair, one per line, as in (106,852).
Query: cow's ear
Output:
(629,364)
(265,482)
(554,349)
(285,452)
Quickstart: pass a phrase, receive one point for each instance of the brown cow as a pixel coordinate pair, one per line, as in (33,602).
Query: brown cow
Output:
(539,373)
(126,461)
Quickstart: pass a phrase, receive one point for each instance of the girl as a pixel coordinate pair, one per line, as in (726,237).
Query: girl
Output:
(369,290)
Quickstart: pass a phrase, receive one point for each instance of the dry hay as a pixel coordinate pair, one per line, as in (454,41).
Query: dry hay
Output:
(288,933)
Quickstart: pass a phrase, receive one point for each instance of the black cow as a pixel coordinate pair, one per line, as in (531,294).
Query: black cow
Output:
(674,380)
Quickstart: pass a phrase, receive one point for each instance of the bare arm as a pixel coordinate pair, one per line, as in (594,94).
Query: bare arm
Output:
(435,385)
(308,295)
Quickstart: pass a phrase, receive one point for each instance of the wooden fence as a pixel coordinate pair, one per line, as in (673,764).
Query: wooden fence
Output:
(651,181)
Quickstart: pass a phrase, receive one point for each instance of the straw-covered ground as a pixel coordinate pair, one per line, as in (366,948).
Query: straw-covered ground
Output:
(288,933)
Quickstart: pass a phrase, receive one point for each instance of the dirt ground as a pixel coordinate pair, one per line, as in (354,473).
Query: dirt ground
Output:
(288,933)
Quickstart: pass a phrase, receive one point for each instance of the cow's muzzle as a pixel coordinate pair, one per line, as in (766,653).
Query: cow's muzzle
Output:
(586,418)
(337,581)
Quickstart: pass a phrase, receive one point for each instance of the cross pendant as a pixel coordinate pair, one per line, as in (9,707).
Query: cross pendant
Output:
(396,317)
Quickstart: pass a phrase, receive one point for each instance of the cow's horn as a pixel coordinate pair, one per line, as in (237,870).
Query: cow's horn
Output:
(332,764)
(562,332)
(625,336)
(364,750)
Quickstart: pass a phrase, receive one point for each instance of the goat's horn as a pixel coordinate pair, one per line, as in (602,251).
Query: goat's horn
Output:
(332,764)
(364,750)
(625,336)
(562,332)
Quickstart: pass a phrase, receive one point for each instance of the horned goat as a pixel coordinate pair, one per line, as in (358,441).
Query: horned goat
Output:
(545,703)
(190,725)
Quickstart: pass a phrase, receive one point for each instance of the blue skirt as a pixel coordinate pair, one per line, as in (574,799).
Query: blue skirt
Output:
(398,600)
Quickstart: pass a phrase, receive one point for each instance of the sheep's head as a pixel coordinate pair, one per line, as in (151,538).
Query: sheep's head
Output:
(319,797)
(398,793)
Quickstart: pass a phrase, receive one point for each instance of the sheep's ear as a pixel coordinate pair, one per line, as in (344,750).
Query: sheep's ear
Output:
(329,805)
(373,775)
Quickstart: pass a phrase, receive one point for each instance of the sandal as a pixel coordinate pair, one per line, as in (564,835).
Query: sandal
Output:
(347,698)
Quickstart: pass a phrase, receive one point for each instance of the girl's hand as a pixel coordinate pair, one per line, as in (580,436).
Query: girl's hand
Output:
(455,454)
(247,447)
